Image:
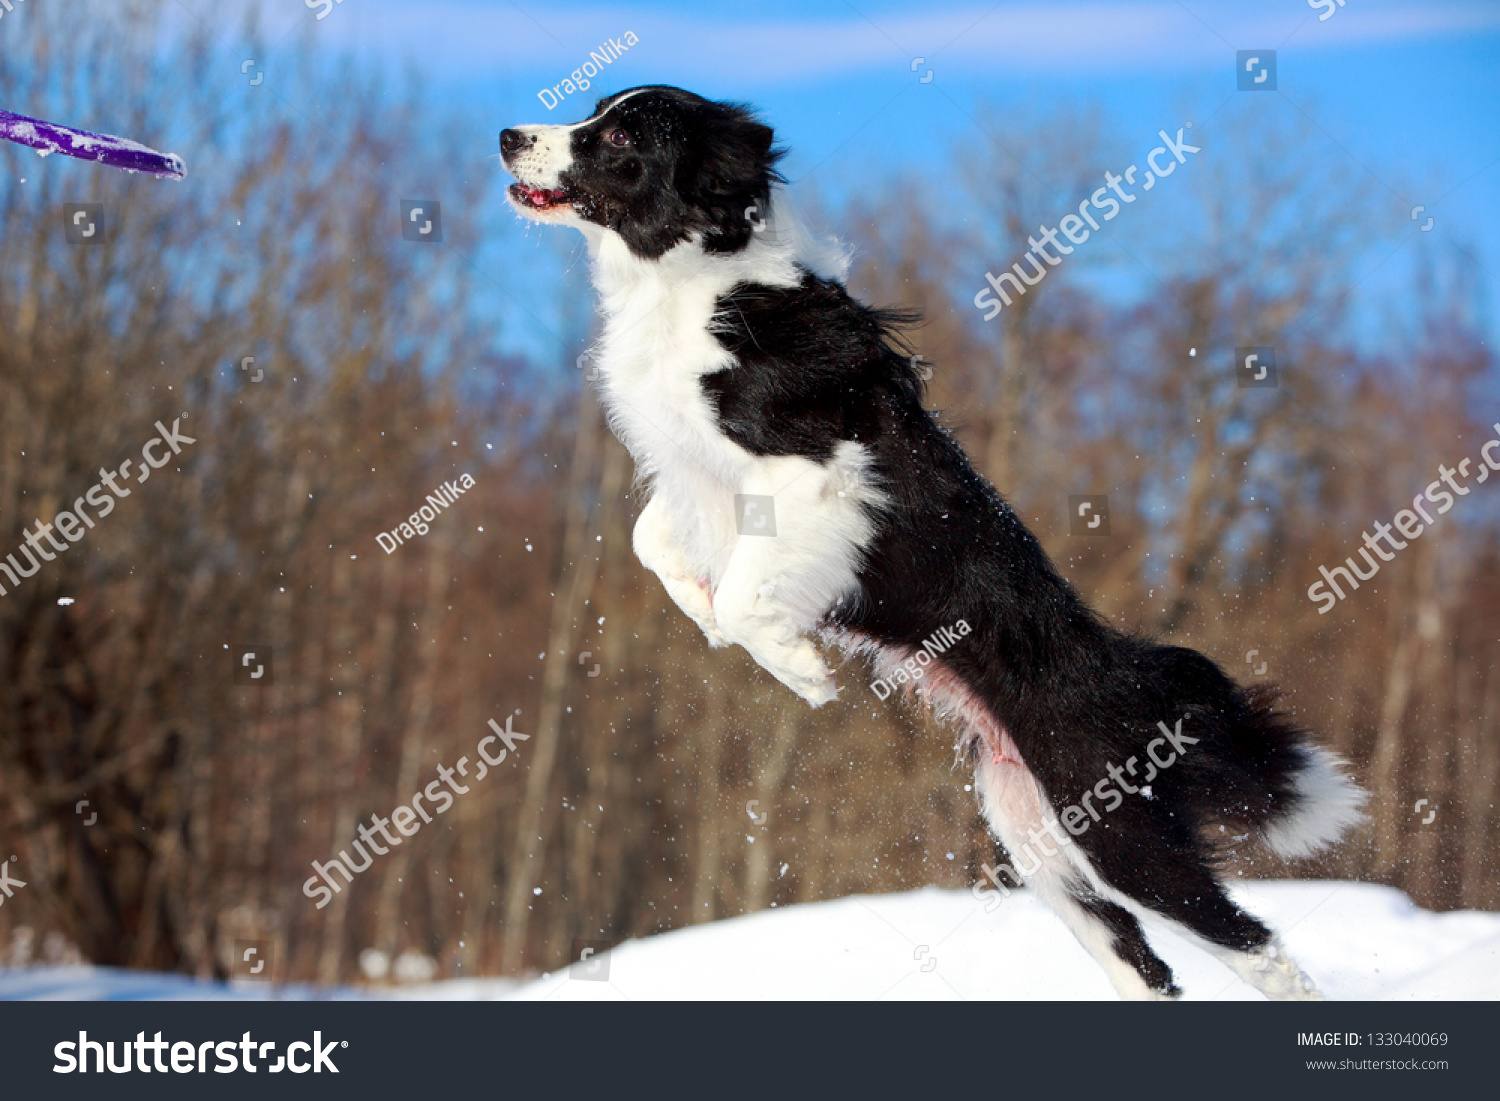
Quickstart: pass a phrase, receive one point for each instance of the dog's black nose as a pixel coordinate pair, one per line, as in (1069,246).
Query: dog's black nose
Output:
(513,141)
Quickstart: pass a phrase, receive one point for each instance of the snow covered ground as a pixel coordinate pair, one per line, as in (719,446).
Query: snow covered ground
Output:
(1357,941)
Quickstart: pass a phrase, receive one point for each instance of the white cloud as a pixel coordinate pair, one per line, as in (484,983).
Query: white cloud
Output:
(469,37)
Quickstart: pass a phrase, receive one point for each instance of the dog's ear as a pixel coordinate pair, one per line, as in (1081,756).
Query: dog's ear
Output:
(732,182)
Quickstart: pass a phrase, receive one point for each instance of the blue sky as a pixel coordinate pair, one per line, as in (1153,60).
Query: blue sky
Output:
(1409,92)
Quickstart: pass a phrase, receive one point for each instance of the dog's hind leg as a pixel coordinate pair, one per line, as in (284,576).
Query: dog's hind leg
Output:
(1271,971)
(1114,937)
(756,610)
(655,545)
(781,580)
(1198,905)
(1017,811)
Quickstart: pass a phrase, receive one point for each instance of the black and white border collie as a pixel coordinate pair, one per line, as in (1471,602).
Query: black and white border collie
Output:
(733,361)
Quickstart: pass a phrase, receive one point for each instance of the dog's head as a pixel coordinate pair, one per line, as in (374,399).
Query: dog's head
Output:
(655,165)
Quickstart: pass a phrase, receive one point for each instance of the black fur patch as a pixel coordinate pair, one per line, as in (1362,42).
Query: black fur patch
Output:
(1077,696)
(659,164)
(1129,942)
(810,360)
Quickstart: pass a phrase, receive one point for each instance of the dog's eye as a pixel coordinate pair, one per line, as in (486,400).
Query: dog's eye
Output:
(618,137)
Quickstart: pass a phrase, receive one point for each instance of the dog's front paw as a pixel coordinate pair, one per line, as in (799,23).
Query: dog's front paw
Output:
(819,693)
(806,674)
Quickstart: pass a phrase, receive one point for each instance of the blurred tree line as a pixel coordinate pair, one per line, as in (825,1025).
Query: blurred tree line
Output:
(660,785)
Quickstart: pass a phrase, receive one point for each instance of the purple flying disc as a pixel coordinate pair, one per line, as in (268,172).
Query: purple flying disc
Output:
(47,138)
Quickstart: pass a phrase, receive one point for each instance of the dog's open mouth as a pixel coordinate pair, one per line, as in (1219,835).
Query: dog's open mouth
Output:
(540,198)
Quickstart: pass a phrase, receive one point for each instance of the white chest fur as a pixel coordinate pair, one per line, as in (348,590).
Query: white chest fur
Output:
(655,349)
(739,586)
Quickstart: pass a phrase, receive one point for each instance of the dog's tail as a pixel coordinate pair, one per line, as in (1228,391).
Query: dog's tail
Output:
(1318,800)
(1267,775)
